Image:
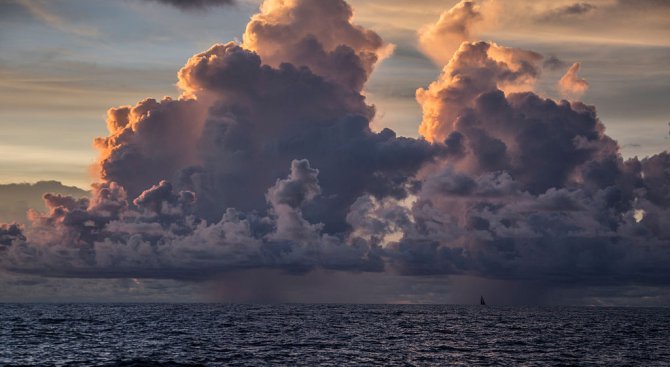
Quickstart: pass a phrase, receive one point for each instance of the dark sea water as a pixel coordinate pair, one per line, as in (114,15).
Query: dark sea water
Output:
(331,335)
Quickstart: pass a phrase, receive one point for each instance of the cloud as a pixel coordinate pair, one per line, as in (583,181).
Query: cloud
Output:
(440,40)
(16,199)
(554,63)
(239,120)
(160,237)
(302,185)
(9,233)
(476,68)
(533,190)
(493,225)
(242,116)
(577,8)
(267,161)
(572,10)
(188,5)
(154,137)
(319,35)
(571,85)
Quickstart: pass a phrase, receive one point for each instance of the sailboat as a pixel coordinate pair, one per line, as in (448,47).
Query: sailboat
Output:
(481,301)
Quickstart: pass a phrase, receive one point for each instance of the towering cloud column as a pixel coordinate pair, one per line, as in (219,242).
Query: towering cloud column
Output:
(476,68)
(291,90)
(316,34)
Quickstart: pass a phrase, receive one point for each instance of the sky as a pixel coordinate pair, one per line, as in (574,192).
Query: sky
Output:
(375,151)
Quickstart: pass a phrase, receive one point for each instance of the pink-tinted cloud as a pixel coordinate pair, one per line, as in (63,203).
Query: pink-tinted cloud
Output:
(571,85)
(194,4)
(441,39)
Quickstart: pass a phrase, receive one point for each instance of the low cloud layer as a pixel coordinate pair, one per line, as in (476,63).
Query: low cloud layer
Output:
(267,160)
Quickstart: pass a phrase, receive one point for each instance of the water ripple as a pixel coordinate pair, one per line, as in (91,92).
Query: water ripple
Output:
(330,335)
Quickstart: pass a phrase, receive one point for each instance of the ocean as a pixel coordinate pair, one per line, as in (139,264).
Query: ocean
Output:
(330,335)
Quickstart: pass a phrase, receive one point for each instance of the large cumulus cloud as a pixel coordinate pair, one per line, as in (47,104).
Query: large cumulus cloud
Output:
(440,40)
(488,225)
(240,122)
(532,188)
(571,85)
(244,115)
(476,68)
(159,236)
(267,160)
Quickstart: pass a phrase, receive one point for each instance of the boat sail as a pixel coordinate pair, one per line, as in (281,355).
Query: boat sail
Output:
(481,301)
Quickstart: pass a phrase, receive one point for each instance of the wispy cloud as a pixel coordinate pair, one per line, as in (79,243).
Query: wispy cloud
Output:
(41,10)
(572,85)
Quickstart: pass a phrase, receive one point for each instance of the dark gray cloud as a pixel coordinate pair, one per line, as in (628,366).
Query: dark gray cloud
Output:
(301,186)
(567,11)
(440,40)
(554,63)
(10,233)
(159,237)
(476,68)
(578,8)
(537,192)
(655,170)
(194,4)
(253,120)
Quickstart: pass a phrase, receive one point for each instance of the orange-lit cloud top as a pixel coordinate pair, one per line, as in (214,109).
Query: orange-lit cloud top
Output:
(441,39)
(322,38)
(476,68)
(319,35)
(571,85)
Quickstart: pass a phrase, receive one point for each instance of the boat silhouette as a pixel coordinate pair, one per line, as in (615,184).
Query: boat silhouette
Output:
(481,301)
